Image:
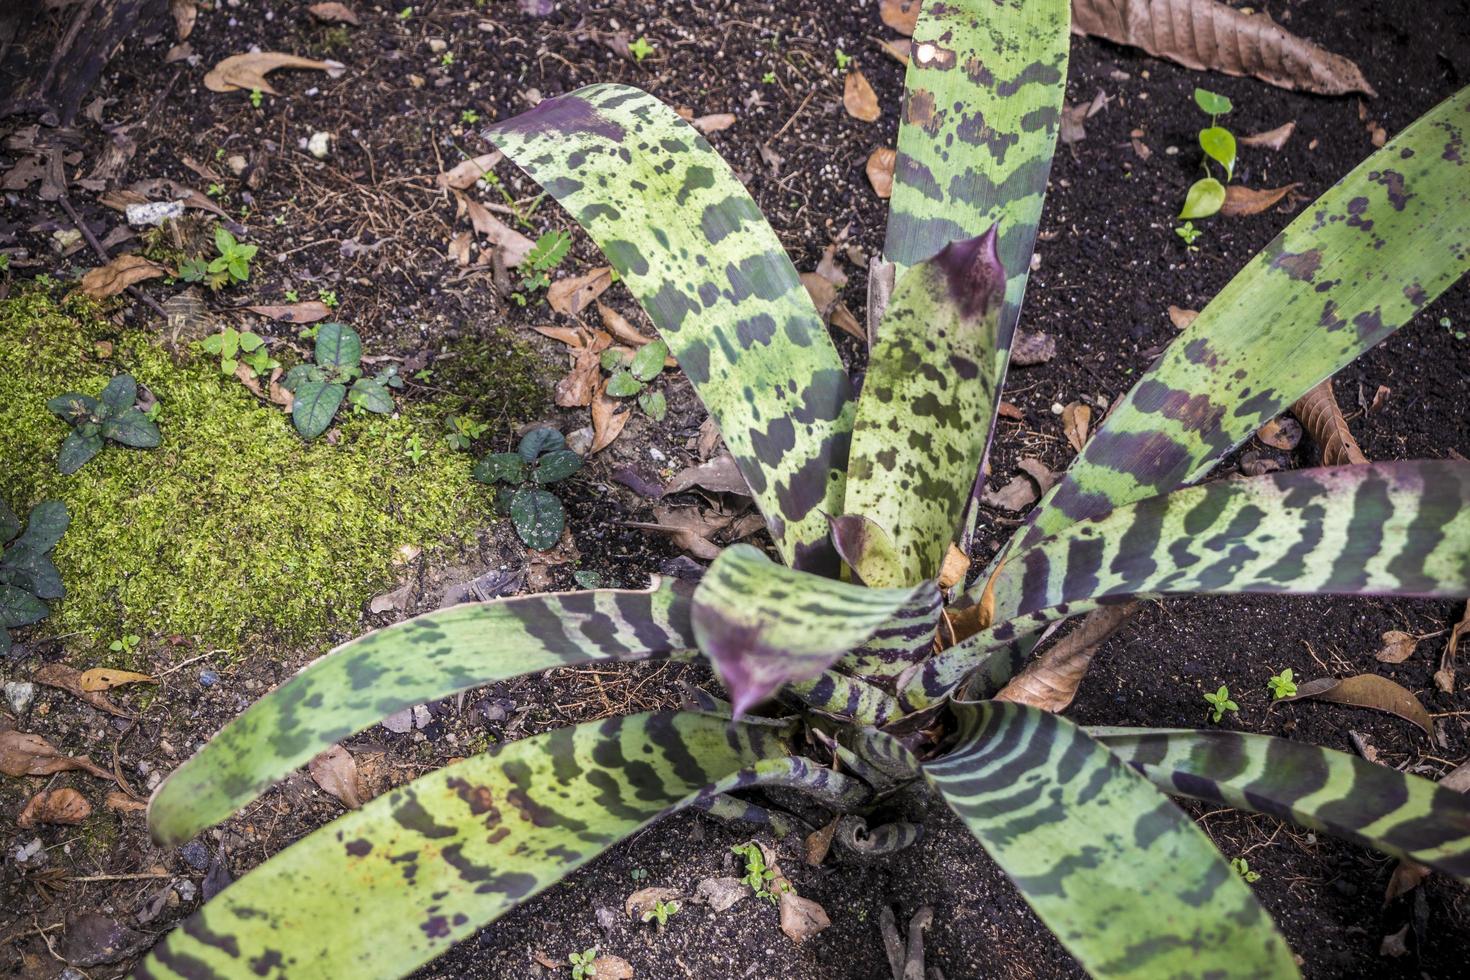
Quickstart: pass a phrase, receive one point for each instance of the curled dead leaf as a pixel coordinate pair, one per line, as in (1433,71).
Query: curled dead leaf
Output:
(690,529)
(333,13)
(1398,646)
(718,475)
(309,311)
(722,893)
(69,679)
(106,678)
(617,325)
(859,99)
(1272,139)
(335,771)
(1076,417)
(1323,421)
(1181,317)
(880,170)
(714,122)
(23,754)
(1242,202)
(1368,691)
(1050,682)
(819,841)
(577,387)
(1444,678)
(801,918)
(185,13)
(463,175)
(901,15)
(609,416)
(1283,433)
(57,806)
(513,244)
(117,275)
(248,71)
(121,802)
(573,294)
(898,49)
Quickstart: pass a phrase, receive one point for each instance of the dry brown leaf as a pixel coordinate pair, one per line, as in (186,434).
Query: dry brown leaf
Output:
(105,678)
(1444,678)
(1398,646)
(1075,418)
(610,967)
(1038,471)
(463,175)
(22,754)
(58,806)
(69,679)
(1323,421)
(1009,411)
(859,99)
(1205,34)
(459,248)
(708,439)
(1016,495)
(644,900)
(607,420)
(309,311)
(248,71)
(1072,129)
(834,311)
(1032,347)
(1181,317)
(573,337)
(618,325)
(714,122)
(880,170)
(1241,202)
(513,244)
(333,13)
(185,14)
(689,528)
(573,294)
(119,274)
(1050,682)
(1380,396)
(721,893)
(123,803)
(954,567)
(581,382)
(718,475)
(1283,433)
(1369,691)
(335,771)
(1272,139)
(801,918)
(551,964)
(901,15)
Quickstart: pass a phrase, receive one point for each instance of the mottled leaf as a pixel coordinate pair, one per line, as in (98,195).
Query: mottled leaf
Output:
(76,451)
(337,346)
(315,406)
(538,518)
(132,428)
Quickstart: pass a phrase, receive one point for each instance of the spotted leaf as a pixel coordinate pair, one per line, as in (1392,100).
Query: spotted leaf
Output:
(695,250)
(1124,879)
(419,660)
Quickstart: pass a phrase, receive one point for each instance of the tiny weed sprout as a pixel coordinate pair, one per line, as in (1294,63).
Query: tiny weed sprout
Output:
(321,387)
(581,964)
(110,417)
(236,347)
(661,913)
(327,297)
(758,876)
(1220,703)
(828,643)
(446,60)
(536,268)
(27,576)
(1282,685)
(541,459)
(292,296)
(843,59)
(769,78)
(463,431)
(232,264)
(415,450)
(640,49)
(1189,233)
(1206,196)
(125,644)
(256,97)
(469,117)
(637,874)
(1242,868)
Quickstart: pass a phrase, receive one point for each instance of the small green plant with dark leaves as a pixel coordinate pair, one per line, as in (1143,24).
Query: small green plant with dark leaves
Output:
(536,268)
(541,459)
(1242,868)
(28,578)
(582,964)
(110,417)
(1220,703)
(630,373)
(334,376)
(1206,196)
(236,347)
(463,431)
(1282,685)
(661,912)
(125,644)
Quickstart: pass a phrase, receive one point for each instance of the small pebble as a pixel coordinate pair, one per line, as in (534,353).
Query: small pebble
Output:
(19,695)
(319,145)
(399,722)
(195,855)
(1057,408)
(208,678)
(187,890)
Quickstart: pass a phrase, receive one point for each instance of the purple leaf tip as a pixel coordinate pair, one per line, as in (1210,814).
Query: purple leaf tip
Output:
(973,273)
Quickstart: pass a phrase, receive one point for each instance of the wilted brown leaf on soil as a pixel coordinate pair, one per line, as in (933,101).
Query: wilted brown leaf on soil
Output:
(335,771)
(801,918)
(1031,347)
(714,122)
(833,309)
(1444,678)
(573,294)
(123,803)
(1008,411)
(309,311)
(248,71)
(1368,691)
(718,475)
(689,528)
(880,170)
(69,679)
(953,569)
(576,389)
(1072,129)
(513,244)
(644,899)
(1323,421)
(117,275)
(333,13)
(106,678)
(1241,202)
(1205,34)
(898,49)
(618,325)
(184,14)
(607,419)
(721,893)
(1272,139)
(1380,395)
(463,175)
(573,337)
(1181,317)
(57,806)
(1016,495)
(1283,433)
(901,15)
(610,967)
(1075,418)
(859,99)
(1050,682)
(1398,646)
(22,754)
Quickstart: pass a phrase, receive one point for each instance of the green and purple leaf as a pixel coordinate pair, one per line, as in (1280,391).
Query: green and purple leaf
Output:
(1124,879)
(694,249)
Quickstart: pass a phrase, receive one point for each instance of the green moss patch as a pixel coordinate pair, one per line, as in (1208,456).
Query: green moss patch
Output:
(234,532)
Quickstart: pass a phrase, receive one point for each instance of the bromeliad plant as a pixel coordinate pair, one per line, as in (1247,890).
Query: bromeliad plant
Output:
(842,683)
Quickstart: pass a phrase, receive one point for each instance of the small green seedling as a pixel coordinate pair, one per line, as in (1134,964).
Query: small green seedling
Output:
(320,388)
(256,97)
(1207,195)
(231,265)
(125,644)
(582,964)
(640,49)
(1241,867)
(446,60)
(414,450)
(1282,685)
(843,59)
(292,296)
(1189,233)
(235,347)
(27,576)
(405,13)
(769,78)
(110,416)
(758,876)
(328,298)
(637,874)
(541,459)
(469,117)
(629,374)
(1444,321)
(1220,703)
(661,913)
(4,262)
(463,431)
(548,252)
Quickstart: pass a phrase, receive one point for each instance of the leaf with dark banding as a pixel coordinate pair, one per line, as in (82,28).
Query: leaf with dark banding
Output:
(391,886)
(1124,879)
(924,416)
(763,625)
(1355,266)
(1404,816)
(695,250)
(419,660)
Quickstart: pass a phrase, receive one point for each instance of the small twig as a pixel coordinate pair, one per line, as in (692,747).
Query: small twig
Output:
(186,663)
(81,225)
(141,876)
(793,117)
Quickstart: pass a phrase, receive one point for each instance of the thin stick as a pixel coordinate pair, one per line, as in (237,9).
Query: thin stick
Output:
(793,117)
(137,877)
(186,663)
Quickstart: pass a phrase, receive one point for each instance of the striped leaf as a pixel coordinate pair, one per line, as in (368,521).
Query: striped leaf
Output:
(924,416)
(763,625)
(694,249)
(1122,877)
(418,660)
(1401,815)
(1352,268)
(904,639)
(390,886)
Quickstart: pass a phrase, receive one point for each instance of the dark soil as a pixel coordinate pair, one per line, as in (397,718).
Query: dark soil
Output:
(1110,265)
